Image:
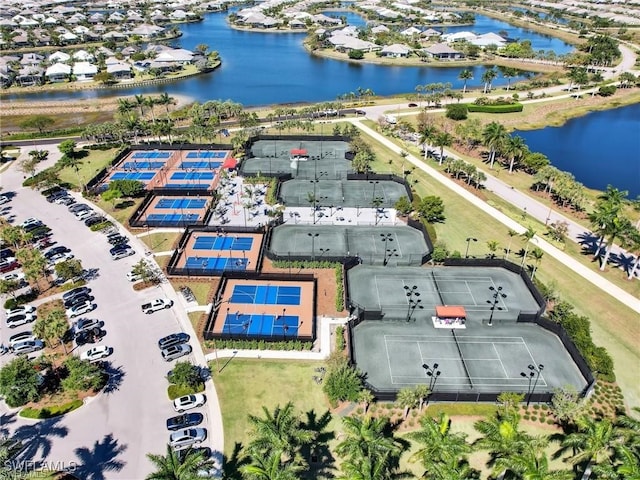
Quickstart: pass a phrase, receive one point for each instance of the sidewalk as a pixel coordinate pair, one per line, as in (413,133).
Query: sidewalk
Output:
(594,278)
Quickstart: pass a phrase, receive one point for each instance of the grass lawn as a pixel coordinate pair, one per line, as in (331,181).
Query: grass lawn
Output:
(246,385)
(614,326)
(161,241)
(91,165)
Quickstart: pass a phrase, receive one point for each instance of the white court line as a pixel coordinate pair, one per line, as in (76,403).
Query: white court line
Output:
(500,360)
(397,240)
(378,291)
(466,284)
(386,348)
(534,363)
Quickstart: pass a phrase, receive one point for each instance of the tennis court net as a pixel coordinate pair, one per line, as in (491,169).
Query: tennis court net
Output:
(435,283)
(464,363)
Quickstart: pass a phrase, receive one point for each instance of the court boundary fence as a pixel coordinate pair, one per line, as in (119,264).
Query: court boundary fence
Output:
(208,333)
(189,272)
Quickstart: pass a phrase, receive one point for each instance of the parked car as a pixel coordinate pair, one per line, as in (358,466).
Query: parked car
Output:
(80,309)
(133,277)
(75,292)
(4,199)
(28,346)
(96,353)
(55,251)
(20,319)
(92,335)
(7,253)
(187,438)
(189,402)
(173,339)
(86,324)
(117,239)
(94,220)
(84,214)
(31,221)
(66,200)
(8,265)
(60,257)
(121,251)
(13,277)
(20,309)
(185,420)
(53,197)
(157,304)
(77,300)
(26,336)
(176,351)
(78,207)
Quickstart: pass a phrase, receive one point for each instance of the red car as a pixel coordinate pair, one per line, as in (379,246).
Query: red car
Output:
(8,265)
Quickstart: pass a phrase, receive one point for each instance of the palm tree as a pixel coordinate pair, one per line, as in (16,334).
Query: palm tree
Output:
(369,451)
(632,243)
(493,136)
(176,466)
(465,75)
(492,245)
(528,236)
(537,255)
(270,467)
(407,399)
(365,397)
(442,139)
(151,102)
(515,148)
(594,442)
(140,102)
(439,447)
(124,106)
(281,430)
(427,134)
(533,464)
(487,77)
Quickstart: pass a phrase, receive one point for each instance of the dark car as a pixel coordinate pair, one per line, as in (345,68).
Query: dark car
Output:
(75,292)
(55,251)
(185,420)
(360,112)
(78,207)
(78,299)
(91,335)
(118,240)
(413,105)
(89,222)
(173,339)
(55,195)
(6,253)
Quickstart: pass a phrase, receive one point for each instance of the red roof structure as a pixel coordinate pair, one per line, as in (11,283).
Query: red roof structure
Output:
(446,311)
(230,163)
(299,151)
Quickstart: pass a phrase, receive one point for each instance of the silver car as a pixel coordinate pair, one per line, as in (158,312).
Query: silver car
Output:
(176,351)
(187,438)
(28,346)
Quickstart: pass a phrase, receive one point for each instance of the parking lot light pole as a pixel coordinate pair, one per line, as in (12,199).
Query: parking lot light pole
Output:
(313,244)
(497,295)
(469,240)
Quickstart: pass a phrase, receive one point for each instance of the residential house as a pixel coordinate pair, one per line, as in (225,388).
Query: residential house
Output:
(119,70)
(83,56)
(458,37)
(410,32)
(487,39)
(430,33)
(442,51)
(397,50)
(147,31)
(380,29)
(84,71)
(30,75)
(58,72)
(59,57)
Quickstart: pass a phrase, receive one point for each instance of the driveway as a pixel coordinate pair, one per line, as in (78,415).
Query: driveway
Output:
(110,436)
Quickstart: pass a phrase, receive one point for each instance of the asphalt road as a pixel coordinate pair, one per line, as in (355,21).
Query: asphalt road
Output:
(108,437)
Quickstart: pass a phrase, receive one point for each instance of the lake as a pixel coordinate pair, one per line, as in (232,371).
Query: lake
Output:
(600,148)
(274,68)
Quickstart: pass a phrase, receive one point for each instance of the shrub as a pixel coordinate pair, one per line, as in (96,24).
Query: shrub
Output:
(516,107)
(457,111)
(52,411)
(340,345)
(607,90)
(339,288)
(342,383)
(356,54)
(175,391)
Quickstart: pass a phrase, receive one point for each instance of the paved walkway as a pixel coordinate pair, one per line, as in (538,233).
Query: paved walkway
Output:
(559,255)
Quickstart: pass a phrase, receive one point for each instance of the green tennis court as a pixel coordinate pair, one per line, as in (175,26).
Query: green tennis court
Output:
(395,245)
(346,193)
(377,288)
(485,359)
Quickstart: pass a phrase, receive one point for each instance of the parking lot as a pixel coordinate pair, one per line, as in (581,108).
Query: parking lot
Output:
(128,418)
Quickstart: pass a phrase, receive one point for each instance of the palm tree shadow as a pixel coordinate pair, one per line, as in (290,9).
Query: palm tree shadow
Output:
(321,460)
(5,421)
(37,437)
(233,464)
(116,375)
(102,458)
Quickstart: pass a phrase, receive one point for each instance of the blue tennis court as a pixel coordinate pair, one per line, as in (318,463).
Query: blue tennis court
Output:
(175,203)
(172,217)
(258,324)
(151,155)
(143,165)
(188,186)
(223,243)
(207,154)
(199,165)
(192,176)
(216,263)
(142,176)
(266,295)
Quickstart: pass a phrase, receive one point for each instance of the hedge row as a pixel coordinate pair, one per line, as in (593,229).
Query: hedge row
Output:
(515,107)
(52,411)
(258,345)
(339,288)
(175,391)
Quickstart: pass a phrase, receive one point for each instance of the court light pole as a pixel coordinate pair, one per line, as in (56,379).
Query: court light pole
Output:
(497,295)
(529,377)
(374,183)
(433,373)
(313,244)
(469,240)
(537,369)
(412,300)
(386,238)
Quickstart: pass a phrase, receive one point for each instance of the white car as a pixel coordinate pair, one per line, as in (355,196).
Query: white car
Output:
(28,346)
(80,309)
(84,214)
(20,309)
(60,257)
(20,319)
(96,353)
(13,276)
(188,402)
(157,304)
(4,199)
(26,336)
(133,277)
(30,221)
(187,438)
